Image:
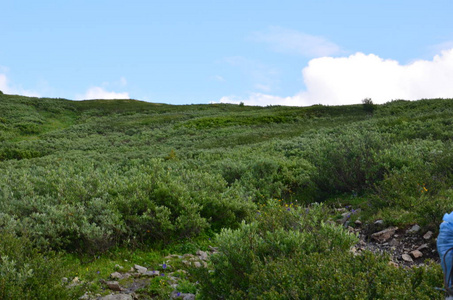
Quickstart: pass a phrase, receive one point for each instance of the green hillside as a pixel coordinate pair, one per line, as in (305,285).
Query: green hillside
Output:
(115,179)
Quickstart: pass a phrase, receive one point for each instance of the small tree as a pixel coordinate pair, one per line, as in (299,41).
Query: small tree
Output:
(368,105)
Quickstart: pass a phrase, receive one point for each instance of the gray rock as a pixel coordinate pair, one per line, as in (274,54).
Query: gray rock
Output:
(394,242)
(428,235)
(384,235)
(113,285)
(116,275)
(424,246)
(197,264)
(184,296)
(117,297)
(416,254)
(414,229)
(406,257)
(140,269)
(202,255)
(151,273)
(379,222)
(85,296)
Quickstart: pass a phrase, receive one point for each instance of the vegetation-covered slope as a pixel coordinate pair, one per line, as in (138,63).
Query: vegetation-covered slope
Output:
(87,177)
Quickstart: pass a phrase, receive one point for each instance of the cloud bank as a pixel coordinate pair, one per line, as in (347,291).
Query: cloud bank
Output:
(100,93)
(348,80)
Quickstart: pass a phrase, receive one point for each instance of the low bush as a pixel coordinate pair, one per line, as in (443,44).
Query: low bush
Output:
(293,253)
(26,273)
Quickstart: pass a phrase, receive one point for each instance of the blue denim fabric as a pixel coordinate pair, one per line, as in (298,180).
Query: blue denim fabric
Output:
(444,243)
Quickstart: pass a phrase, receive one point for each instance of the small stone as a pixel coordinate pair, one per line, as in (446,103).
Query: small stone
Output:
(384,235)
(394,242)
(117,297)
(197,264)
(184,296)
(416,254)
(406,257)
(140,269)
(428,235)
(202,255)
(358,222)
(379,222)
(424,246)
(414,229)
(64,279)
(151,273)
(113,285)
(116,275)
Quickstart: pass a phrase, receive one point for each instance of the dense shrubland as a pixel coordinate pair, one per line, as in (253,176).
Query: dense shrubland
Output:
(88,177)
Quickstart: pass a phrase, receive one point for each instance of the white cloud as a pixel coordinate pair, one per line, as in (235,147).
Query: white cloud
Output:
(348,80)
(99,93)
(8,88)
(294,42)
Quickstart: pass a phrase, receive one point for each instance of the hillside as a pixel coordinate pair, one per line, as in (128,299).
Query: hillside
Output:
(113,178)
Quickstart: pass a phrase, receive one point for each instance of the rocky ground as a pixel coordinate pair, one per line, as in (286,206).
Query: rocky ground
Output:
(135,283)
(407,247)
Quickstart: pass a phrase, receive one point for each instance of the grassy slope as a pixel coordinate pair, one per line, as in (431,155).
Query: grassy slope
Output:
(70,152)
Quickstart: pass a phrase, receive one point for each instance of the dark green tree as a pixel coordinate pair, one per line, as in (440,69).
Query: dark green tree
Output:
(368,105)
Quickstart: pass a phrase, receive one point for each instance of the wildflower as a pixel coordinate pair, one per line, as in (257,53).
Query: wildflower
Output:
(164,266)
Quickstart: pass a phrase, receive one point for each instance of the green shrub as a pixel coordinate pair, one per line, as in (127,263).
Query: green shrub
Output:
(26,273)
(292,253)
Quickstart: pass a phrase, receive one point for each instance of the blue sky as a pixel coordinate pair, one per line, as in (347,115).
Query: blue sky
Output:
(257,52)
